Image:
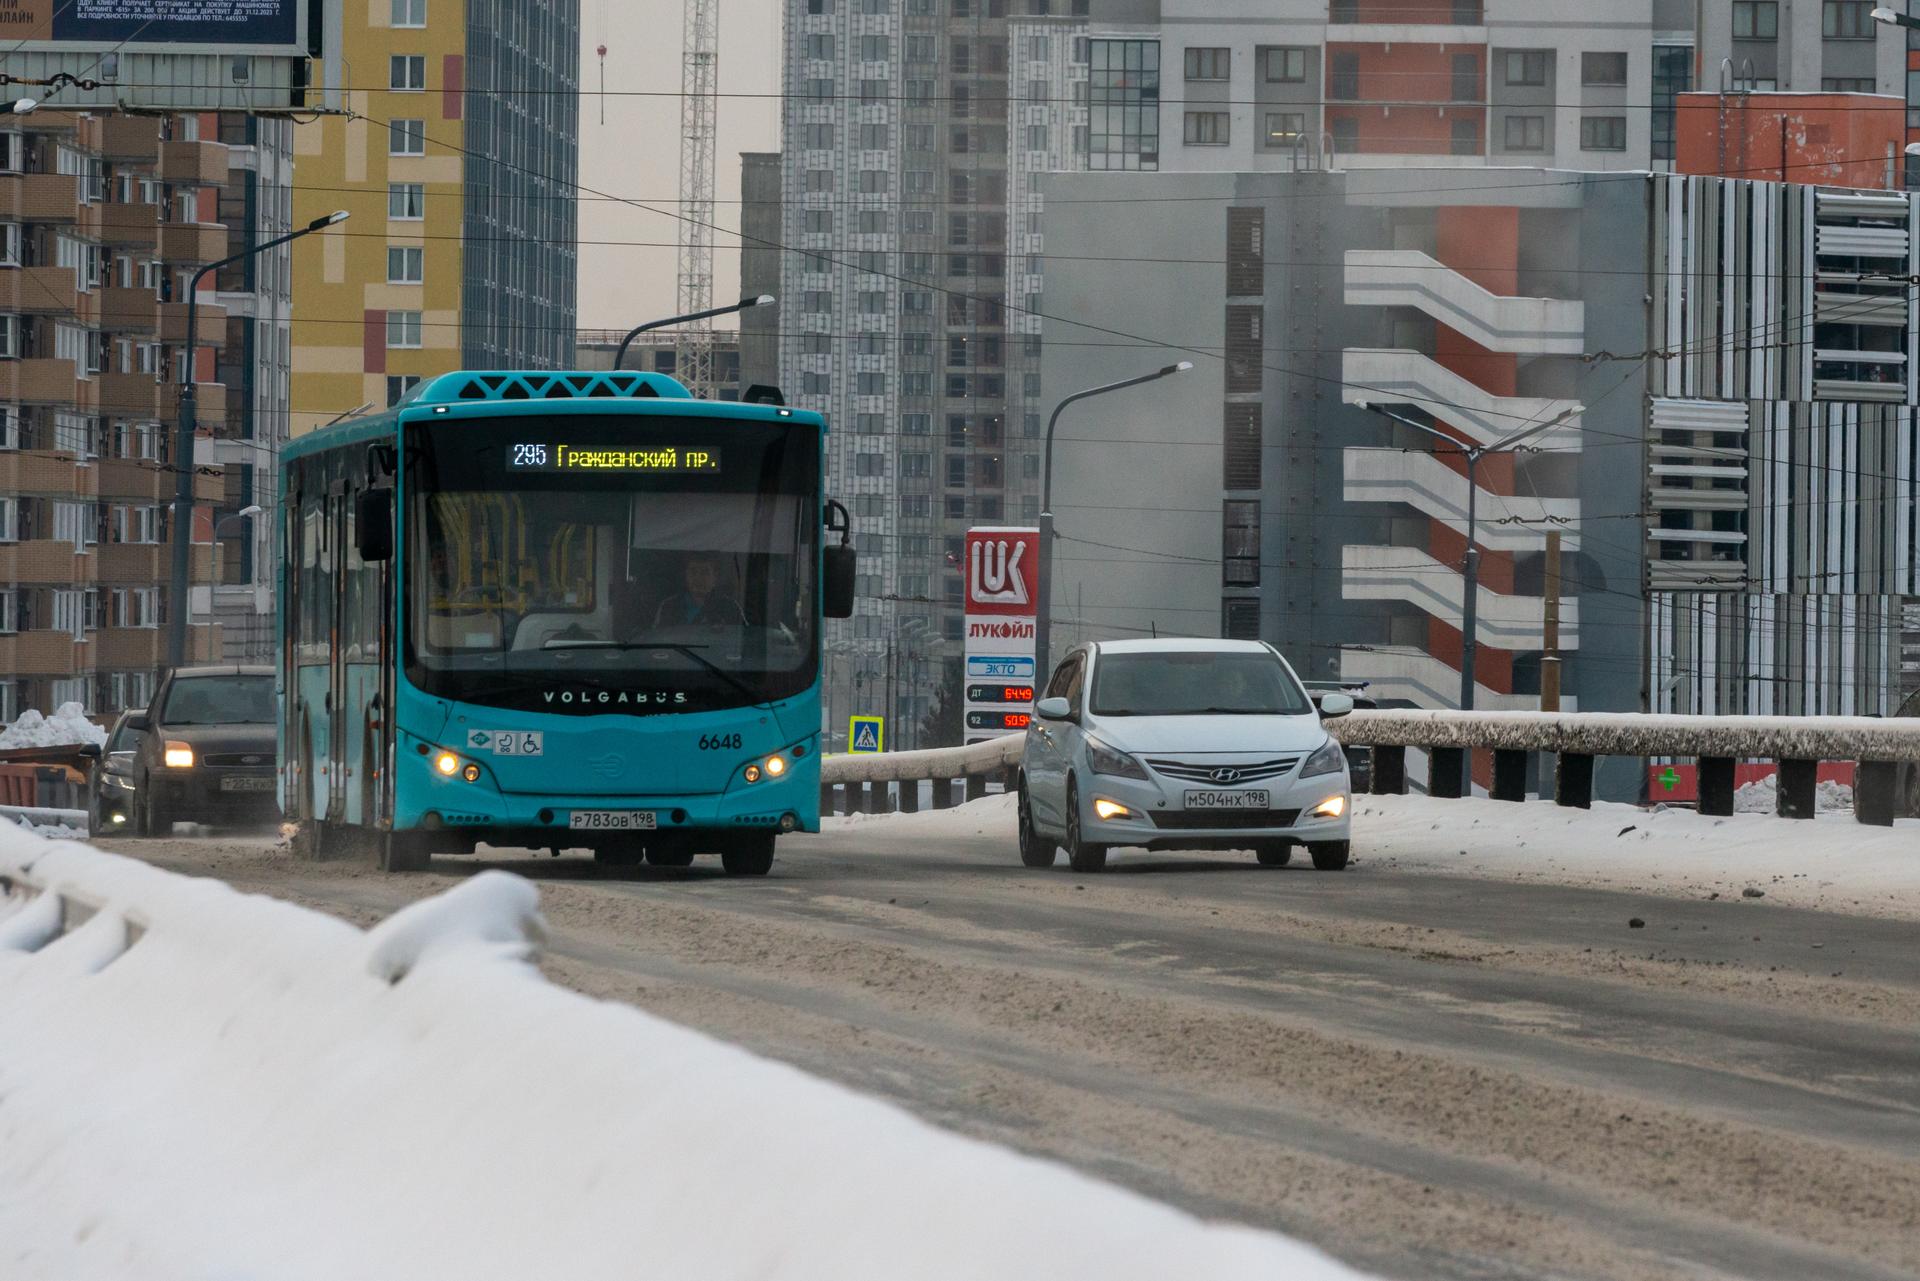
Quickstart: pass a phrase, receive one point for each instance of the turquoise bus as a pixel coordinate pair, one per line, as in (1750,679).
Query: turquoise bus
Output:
(557,610)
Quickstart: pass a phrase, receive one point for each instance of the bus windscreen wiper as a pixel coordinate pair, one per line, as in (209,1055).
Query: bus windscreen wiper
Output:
(751,694)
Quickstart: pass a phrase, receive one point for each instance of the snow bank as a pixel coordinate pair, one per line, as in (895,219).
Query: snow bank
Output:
(196,1083)
(1832,863)
(1762,796)
(68,726)
(1815,738)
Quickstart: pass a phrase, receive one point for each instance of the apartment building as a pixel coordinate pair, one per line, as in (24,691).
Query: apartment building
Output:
(654,352)
(458,166)
(1180,86)
(911,270)
(105,219)
(1728,468)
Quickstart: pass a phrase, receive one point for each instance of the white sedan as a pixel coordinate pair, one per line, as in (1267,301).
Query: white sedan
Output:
(1181,744)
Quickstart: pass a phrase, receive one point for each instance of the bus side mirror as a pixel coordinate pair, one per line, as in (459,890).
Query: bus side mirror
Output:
(836,581)
(373,524)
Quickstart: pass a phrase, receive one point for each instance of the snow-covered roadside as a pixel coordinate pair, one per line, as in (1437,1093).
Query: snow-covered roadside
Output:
(1832,863)
(67,726)
(250,1089)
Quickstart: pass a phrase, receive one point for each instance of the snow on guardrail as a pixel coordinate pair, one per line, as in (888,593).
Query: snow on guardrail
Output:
(934,762)
(197,1083)
(1829,738)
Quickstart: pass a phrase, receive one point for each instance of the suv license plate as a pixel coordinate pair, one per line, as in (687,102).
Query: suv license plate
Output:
(247,783)
(612,821)
(1256,799)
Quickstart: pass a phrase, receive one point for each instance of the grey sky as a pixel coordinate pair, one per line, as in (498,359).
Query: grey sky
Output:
(636,153)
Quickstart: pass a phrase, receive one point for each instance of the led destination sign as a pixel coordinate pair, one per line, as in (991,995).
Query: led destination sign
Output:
(559,456)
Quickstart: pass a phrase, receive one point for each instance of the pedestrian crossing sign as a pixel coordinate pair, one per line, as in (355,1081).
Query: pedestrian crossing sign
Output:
(866,733)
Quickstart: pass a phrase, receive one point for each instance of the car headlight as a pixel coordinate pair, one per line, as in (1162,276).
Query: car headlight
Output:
(1106,760)
(177,755)
(1328,758)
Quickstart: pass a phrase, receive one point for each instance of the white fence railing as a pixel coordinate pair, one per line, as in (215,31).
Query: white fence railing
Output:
(217,1084)
(873,783)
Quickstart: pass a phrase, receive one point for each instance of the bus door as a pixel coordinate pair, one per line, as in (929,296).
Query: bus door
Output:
(339,754)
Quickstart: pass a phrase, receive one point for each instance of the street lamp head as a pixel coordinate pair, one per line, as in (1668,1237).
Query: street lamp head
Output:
(1912,149)
(1363,404)
(1884,14)
(759,300)
(251,509)
(338,215)
(24,106)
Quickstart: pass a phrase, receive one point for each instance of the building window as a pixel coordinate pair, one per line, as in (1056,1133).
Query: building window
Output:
(1466,137)
(1603,68)
(1241,440)
(1240,618)
(1346,135)
(1847,19)
(405,264)
(1286,66)
(820,47)
(407,201)
(407,73)
(1846,84)
(1756,20)
(1603,133)
(1240,542)
(403,329)
(398,385)
(1527,66)
(1124,105)
(1672,76)
(409,13)
(1343,80)
(9,244)
(407,138)
(1209,64)
(1526,133)
(1207,128)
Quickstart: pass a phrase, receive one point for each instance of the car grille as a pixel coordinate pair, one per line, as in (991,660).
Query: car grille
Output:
(238,760)
(1213,820)
(1203,772)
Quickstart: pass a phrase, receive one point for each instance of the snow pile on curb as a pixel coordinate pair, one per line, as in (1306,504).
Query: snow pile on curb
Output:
(68,726)
(196,1083)
(1762,796)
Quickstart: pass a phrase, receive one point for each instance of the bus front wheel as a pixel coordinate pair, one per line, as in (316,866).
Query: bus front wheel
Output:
(748,855)
(405,851)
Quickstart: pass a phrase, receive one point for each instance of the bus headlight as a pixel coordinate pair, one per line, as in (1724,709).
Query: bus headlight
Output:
(772,767)
(447,763)
(776,766)
(178,755)
(753,773)
(471,773)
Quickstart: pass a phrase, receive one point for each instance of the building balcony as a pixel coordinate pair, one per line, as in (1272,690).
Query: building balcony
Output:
(127,396)
(1512,623)
(38,291)
(43,653)
(131,225)
(193,164)
(142,480)
(43,561)
(36,471)
(38,382)
(1422,481)
(212,330)
(193,242)
(1427,681)
(128,311)
(148,564)
(1409,278)
(39,197)
(131,647)
(129,139)
(1385,375)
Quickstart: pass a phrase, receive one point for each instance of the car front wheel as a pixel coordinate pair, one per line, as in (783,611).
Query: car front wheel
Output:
(1081,856)
(1330,856)
(1035,849)
(1274,853)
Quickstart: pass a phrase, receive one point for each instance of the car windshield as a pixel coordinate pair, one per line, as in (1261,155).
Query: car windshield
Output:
(1195,683)
(125,739)
(220,700)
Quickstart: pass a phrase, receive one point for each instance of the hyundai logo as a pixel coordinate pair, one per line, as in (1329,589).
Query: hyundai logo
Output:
(1226,774)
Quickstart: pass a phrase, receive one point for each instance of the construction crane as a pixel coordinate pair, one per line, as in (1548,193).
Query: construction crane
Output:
(699,70)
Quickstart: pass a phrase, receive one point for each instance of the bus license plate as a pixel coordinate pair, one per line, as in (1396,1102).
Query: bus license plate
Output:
(1245,800)
(612,821)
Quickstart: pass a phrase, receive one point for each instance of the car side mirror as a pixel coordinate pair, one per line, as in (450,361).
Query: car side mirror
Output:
(1053,709)
(90,750)
(139,721)
(837,568)
(373,524)
(1332,705)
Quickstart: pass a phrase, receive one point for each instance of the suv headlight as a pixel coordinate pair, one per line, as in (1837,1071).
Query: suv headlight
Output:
(1106,760)
(1328,758)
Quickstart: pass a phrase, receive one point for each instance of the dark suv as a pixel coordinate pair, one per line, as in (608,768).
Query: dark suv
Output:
(208,756)
(110,782)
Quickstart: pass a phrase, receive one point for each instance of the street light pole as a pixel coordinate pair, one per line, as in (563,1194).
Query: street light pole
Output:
(1470,568)
(1892,19)
(183,442)
(1043,623)
(758,300)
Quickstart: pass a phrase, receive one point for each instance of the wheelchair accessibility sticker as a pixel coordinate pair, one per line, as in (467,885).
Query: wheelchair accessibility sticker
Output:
(531,742)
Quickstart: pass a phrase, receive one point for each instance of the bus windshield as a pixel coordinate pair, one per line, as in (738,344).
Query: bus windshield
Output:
(597,564)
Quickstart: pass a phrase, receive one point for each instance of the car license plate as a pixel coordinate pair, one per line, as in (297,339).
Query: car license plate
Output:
(247,783)
(612,821)
(1255,799)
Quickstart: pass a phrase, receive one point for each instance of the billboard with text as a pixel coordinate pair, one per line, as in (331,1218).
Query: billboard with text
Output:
(1002,582)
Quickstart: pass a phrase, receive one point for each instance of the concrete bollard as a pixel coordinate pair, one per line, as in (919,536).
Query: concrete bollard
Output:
(976,786)
(1389,771)
(1509,776)
(849,797)
(1716,786)
(909,789)
(1876,792)
(1798,780)
(1446,773)
(1573,781)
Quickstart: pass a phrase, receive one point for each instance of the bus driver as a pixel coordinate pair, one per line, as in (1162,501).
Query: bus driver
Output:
(702,604)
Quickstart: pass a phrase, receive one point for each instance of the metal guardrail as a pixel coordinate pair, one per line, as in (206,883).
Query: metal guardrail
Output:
(1798,743)
(881,781)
